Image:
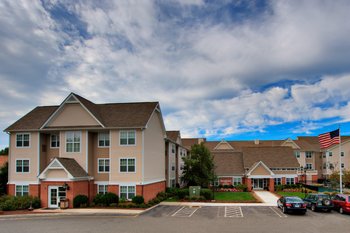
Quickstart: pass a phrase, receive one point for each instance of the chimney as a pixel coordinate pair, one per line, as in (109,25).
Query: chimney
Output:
(256,141)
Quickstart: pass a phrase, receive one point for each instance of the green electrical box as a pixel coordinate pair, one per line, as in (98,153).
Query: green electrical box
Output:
(195,191)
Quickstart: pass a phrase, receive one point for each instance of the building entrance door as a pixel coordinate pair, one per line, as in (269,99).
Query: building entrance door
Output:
(56,193)
(260,184)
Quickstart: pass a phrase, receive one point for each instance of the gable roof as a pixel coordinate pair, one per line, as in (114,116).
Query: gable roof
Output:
(272,157)
(228,163)
(114,115)
(221,146)
(173,135)
(71,166)
(256,165)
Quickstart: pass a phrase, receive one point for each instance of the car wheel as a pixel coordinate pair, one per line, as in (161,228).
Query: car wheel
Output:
(329,210)
(284,210)
(341,210)
(313,207)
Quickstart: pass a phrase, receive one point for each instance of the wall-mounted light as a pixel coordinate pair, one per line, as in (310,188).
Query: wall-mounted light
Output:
(65,186)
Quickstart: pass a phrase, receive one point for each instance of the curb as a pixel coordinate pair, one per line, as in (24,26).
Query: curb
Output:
(213,204)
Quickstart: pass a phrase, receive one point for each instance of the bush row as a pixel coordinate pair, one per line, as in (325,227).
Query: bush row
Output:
(287,186)
(18,203)
(183,194)
(239,187)
(108,200)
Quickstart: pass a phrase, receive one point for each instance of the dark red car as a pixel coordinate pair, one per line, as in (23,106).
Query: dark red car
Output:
(341,203)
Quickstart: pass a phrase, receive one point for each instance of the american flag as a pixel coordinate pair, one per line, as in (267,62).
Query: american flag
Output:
(329,139)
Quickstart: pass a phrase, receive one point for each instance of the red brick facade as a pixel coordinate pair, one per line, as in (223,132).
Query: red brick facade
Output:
(11,189)
(150,191)
(271,185)
(3,160)
(34,190)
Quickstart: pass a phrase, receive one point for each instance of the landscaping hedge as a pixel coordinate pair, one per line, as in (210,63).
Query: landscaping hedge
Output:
(138,200)
(19,203)
(106,199)
(80,201)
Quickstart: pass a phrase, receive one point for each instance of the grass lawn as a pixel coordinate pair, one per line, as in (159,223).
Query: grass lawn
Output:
(298,194)
(234,196)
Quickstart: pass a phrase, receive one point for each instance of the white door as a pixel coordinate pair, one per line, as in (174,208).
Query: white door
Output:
(53,197)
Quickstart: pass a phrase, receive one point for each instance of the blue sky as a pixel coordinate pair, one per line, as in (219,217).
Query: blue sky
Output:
(225,69)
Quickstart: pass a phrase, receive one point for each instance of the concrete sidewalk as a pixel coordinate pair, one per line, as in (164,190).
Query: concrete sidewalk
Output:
(267,197)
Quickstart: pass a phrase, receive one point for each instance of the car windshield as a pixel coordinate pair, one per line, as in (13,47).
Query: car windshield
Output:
(293,199)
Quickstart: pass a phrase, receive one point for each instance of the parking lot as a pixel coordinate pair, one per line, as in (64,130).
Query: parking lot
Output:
(212,212)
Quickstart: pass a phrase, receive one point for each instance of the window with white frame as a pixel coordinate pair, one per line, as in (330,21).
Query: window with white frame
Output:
(22,190)
(308,154)
(103,139)
(342,165)
(55,141)
(173,148)
(308,166)
(173,168)
(22,165)
(297,154)
(103,165)
(127,165)
(342,154)
(182,166)
(73,139)
(237,180)
(278,181)
(172,183)
(127,137)
(23,140)
(330,153)
(102,189)
(289,180)
(127,192)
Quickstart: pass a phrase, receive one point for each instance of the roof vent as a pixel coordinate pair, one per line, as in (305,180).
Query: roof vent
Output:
(256,141)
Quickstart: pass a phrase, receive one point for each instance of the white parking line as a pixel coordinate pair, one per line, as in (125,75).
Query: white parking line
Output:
(177,211)
(185,211)
(233,211)
(280,214)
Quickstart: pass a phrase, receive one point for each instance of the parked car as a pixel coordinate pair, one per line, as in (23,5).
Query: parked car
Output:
(319,201)
(341,203)
(291,204)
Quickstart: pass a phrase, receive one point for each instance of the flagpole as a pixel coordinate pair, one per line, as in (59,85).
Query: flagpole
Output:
(340,168)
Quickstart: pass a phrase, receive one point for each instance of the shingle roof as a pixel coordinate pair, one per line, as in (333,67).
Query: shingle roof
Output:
(273,157)
(72,167)
(228,163)
(115,115)
(173,135)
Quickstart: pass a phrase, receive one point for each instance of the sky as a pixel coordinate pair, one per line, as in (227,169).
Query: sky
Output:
(239,70)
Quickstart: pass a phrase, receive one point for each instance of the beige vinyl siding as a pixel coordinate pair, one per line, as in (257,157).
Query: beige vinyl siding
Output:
(99,153)
(72,115)
(30,153)
(154,147)
(129,151)
(260,170)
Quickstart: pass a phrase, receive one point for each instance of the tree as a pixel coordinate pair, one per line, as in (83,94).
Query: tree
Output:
(4,151)
(199,167)
(3,178)
(335,179)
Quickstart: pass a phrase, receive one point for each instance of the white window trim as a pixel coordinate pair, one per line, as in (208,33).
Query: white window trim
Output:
(312,167)
(311,154)
(22,189)
(59,140)
(81,139)
(127,193)
(127,165)
(120,131)
(98,140)
(98,188)
(98,163)
(30,139)
(22,167)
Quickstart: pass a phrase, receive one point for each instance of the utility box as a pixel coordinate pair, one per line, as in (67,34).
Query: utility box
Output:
(195,191)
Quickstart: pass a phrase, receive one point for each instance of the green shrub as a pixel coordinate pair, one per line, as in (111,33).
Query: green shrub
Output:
(172,191)
(111,198)
(80,201)
(19,203)
(242,187)
(279,188)
(138,200)
(99,200)
(162,195)
(181,193)
(207,194)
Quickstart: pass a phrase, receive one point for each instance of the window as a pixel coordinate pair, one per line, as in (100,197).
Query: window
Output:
(342,165)
(127,192)
(103,165)
(278,181)
(173,148)
(103,139)
(22,190)
(182,166)
(289,180)
(308,166)
(297,154)
(22,165)
(55,141)
(22,140)
(308,154)
(127,137)
(172,183)
(127,165)
(102,189)
(237,180)
(342,154)
(330,153)
(73,141)
(173,168)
